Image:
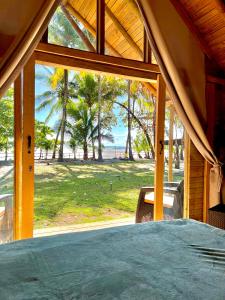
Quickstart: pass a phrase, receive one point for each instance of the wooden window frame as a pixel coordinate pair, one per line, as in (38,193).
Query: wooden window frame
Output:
(54,55)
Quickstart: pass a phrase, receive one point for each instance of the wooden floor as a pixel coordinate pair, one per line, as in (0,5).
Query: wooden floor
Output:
(82,227)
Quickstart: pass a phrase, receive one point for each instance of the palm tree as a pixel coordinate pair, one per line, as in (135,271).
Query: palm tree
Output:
(6,122)
(43,133)
(109,88)
(81,124)
(61,32)
(141,112)
(60,93)
(75,139)
(47,145)
(88,90)
(129,121)
(82,119)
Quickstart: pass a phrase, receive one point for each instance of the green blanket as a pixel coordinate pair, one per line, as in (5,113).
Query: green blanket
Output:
(158,260)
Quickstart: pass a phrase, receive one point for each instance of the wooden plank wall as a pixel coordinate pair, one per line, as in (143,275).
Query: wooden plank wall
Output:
(195,183)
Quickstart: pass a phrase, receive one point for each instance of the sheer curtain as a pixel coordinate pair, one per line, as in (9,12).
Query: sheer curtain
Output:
(182,65)
(22,24)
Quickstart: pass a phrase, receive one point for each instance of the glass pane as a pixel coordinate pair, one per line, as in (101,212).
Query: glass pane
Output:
(6,166)
(174,165)
(96,182)
(124,30)
(74,30)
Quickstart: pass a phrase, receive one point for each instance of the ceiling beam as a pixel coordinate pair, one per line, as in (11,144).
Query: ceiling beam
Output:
(76,59)
(100,38)
(85,55)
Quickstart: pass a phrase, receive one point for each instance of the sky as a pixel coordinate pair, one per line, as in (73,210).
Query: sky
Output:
(119,131)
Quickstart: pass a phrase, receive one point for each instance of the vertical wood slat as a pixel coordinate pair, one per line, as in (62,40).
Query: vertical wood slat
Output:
(170,159)
(24,157)
(195,183)
(28,154)
(159,148)
(100,37)
(17,157)
(186,175)
(211,121)
(147,50)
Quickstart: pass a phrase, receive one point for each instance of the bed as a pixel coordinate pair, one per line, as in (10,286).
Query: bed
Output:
(180,259)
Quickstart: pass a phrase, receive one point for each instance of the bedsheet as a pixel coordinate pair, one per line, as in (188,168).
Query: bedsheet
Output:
(181,259)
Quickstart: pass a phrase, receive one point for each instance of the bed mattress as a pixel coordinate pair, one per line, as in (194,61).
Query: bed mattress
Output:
(180,259)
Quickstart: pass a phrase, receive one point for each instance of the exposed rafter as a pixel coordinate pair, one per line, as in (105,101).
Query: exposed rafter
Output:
(124,32)
(90,28)
(84,38)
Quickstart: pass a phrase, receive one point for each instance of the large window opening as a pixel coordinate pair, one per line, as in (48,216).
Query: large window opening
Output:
(94,148)
(6,166)
(97,136)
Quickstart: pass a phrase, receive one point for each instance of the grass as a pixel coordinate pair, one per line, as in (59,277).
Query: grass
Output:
(72,193)
(87,192)
(79,193)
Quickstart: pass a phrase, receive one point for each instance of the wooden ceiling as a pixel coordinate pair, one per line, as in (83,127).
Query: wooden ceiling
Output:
(125,33)
(124,30)
(206,20)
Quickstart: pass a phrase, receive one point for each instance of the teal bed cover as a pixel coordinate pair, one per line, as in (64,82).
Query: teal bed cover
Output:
(180,259)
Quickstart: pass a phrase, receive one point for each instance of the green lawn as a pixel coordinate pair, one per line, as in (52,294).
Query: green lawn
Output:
(79,193)
(71,193)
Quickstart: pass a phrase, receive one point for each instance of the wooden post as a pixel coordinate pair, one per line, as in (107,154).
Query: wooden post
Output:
(186,175)
(17,157)
(159,149)
(24,152)
(193,182)
(170,159)
(100,39)
(28,149)
(147,50)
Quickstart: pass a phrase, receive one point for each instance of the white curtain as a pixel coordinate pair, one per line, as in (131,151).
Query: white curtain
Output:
(22,24)
(182,65)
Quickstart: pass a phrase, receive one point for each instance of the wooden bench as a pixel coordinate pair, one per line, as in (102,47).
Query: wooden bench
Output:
(172,200)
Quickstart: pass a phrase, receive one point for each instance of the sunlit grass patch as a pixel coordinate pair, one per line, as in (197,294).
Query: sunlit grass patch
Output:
(80,193)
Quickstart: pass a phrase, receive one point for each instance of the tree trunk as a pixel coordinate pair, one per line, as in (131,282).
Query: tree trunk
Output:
(92,138)
(182,149)
(6,152)
(64,115)
(85,149)
(126,148)
(74,153)
(46,154)
(56,140)
(177,156)
(40,154)
(100,158)
(129,124)
(181,153)
(143,127)
(139,155)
